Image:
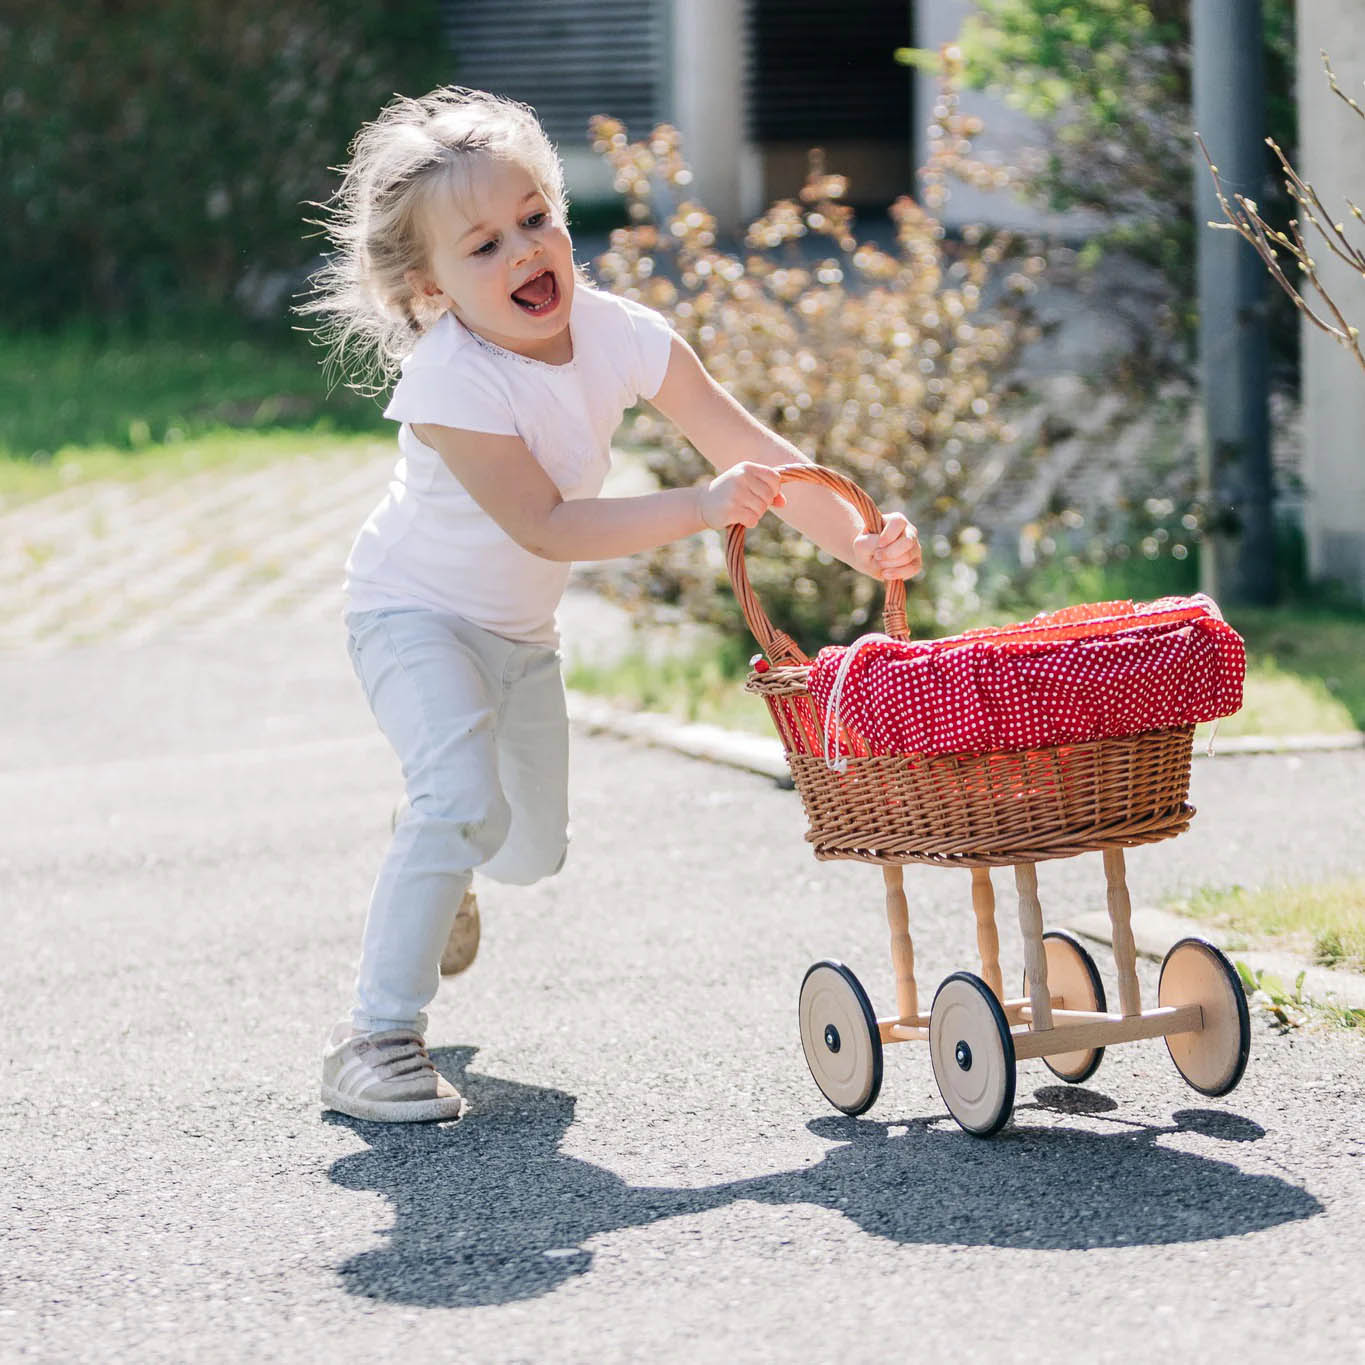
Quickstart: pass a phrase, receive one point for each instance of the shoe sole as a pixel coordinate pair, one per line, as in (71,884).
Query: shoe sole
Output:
(394,1111)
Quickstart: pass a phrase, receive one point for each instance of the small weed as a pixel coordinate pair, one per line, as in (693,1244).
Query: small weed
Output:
(1292,1008)
(1267,992)
(1329,948)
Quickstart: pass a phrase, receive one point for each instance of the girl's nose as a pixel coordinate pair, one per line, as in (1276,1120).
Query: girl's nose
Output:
(524,248)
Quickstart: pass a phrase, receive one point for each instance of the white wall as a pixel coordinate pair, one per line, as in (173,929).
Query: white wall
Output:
(1332,157)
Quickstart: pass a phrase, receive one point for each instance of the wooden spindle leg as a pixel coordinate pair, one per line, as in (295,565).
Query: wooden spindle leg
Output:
(1035,955)
(902,949)
(1120,920)
(987,939)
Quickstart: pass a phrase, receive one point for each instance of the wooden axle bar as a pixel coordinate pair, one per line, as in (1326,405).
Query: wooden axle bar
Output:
(1071,1031)
(915,1027)
(1075,1030)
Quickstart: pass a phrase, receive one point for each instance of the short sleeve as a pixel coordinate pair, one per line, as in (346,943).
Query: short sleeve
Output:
(652,342)
(444,396)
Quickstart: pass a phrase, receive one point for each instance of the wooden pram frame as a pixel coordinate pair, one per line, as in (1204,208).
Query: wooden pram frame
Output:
(979,812)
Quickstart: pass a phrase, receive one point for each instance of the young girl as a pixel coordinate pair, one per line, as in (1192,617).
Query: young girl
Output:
(452,256)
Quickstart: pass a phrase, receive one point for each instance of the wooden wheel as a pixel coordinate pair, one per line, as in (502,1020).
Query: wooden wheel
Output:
(840,1038)
(1072,974)
(1212,1059)
(972,1051)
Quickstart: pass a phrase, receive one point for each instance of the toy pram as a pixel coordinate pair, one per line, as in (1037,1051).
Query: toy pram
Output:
(979,810)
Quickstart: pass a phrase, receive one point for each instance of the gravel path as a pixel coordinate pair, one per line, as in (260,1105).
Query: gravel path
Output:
(204,553)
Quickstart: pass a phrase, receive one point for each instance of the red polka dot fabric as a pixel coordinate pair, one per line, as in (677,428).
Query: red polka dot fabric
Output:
(1097,671)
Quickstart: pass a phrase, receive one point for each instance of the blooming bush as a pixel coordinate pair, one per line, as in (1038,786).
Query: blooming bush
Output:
(887,363)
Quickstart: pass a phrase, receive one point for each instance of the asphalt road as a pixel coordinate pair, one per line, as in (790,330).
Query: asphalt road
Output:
(188,829)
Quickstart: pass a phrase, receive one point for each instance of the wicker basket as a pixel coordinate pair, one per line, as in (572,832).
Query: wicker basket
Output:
(972,810)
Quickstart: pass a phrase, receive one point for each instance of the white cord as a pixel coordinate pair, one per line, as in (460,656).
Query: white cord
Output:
(836,696)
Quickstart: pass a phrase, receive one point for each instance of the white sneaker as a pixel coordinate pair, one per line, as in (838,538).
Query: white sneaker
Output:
(463,944)
(386,1077)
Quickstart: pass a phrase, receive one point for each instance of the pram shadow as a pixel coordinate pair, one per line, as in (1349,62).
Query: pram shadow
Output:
(489,1210)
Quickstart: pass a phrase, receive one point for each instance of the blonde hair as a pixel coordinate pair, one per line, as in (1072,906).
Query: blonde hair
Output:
(369,316)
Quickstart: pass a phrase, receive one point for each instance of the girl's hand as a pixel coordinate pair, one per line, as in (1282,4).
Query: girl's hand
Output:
(893,554)
(741,494)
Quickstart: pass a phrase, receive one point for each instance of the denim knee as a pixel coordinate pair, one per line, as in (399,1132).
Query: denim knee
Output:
(533,865)
(471,832)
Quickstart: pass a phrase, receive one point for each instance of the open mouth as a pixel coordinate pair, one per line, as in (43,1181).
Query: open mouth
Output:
(540,294)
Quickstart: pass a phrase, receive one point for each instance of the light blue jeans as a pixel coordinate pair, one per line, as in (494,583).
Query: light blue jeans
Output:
(479,725)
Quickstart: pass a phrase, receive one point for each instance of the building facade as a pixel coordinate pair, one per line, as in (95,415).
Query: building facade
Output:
(753,84)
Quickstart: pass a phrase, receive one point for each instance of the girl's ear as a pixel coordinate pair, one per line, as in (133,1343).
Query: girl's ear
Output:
(421,286)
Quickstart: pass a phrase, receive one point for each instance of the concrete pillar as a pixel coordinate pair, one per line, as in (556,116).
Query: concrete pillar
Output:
(1237,558)
(708,107)
(1332,158)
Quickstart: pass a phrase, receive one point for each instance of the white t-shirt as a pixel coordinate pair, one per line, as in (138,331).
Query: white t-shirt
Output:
(428,543)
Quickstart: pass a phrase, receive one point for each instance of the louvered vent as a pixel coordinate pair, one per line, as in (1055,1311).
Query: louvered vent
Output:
(568,59)
(825,69)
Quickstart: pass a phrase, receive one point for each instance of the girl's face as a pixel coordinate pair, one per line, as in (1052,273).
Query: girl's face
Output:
(501,260)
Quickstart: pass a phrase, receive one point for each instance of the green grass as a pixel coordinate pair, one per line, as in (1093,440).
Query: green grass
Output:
(1324,921)
(88,387)
(1305,670)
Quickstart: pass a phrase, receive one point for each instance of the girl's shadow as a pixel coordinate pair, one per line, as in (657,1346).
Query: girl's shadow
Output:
(488,1210)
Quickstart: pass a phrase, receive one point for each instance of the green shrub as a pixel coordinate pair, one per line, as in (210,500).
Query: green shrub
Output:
(156,155)
(1109,83)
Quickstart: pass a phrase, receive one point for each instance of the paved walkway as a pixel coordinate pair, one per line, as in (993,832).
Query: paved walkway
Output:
(191,808)
(125,563)
(187,831)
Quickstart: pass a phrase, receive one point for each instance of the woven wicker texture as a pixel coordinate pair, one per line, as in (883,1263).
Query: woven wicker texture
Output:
(961,810)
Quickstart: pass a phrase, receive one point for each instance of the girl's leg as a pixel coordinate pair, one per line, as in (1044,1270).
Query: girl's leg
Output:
(435,691)
(533,769)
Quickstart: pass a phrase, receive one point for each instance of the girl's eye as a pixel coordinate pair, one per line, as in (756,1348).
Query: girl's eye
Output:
(537,219)
(486,249)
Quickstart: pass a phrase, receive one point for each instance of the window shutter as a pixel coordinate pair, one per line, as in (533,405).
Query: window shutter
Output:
(826,69)
(568,59)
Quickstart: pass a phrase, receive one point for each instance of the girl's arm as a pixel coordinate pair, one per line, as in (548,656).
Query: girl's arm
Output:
(726,434)
(505,479)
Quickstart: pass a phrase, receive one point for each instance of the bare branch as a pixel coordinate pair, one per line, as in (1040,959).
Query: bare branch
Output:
(1245,219)
(1336,89)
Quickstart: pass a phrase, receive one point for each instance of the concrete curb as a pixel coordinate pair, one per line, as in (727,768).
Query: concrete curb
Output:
(754,753)
(1281,744)
(1154,931)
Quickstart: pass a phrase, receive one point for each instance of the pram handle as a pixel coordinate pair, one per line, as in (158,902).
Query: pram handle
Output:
(781,648)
